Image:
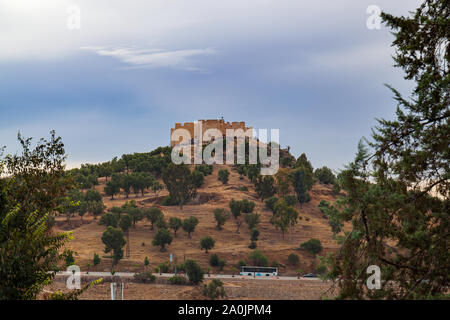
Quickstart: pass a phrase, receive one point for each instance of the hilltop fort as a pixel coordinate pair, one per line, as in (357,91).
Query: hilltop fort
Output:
(219,124)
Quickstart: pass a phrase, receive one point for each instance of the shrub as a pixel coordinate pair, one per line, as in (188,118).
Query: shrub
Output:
(293,259)
(194,271)
(258,259)
(221,216)
(198,177)
(223,176)
(325,175)
(275,264)
(247,206)
(214,289)
(243,188)
(290,200)
(270,203)
(164,267)
(252,245)
(214,260)
(96,259)
(313,246)
(145,277)
(177,280)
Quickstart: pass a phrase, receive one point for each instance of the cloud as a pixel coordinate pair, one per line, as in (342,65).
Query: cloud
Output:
(154,58)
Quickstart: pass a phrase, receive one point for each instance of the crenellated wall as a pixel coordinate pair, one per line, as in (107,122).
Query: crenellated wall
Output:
(219,124)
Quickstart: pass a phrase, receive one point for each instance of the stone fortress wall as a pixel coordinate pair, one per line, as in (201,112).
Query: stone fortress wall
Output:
(219,124)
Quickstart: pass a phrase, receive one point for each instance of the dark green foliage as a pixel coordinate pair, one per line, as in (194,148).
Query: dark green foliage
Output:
(303,162)
(214,289)
(214,260)
(223,176)
(325,175)
(302,179)
(256,258)
(175,224)
(164,267)
(28,251)
(69,259)
(153,214)
(270,203)
(293,259)
(198,177)
(400,194)
(189,225)
(254,234)
(285,216)
(177,280)
(252,220)
(125,223)
(194,271)
(265,187)
(221,216)
(96,260)
(180,183)
(247,206)
(313,246)
(114,241)
(109,219)
(290,200)
(207,243)
(206,169)
(333,216)
(112,188)
(162,238)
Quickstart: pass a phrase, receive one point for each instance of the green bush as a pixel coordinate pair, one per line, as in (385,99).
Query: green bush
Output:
(223,175)
(194,271)
(177,280)
(270,203)
(243,188)
(214,289)
(313,246)
(258,259)
(164,267)
(214,260)
(96,259)
(290,200)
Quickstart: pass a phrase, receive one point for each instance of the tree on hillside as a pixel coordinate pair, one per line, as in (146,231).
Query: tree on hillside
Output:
(302,179)
(270,203)
(400,193)
(189,225)
(223,176)
(325,175)
(180,183)
(126,183)
(332,214)
(303,161)
(175,224)
(162,238)
(207,243)
(264,186)
(252,220)
(114,241)
(153,214)
(235,207)
(109,219)
(283,182)
(198,177)
(125,223)
(92,196)
(221,216)
(285,216)
(194,271)
(112,188)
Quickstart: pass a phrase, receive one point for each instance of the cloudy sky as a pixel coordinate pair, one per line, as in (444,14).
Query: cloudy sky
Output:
(119,82)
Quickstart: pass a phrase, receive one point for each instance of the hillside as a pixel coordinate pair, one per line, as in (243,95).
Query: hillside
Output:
(229,245)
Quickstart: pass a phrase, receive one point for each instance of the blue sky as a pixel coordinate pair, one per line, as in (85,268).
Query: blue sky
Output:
(134,68)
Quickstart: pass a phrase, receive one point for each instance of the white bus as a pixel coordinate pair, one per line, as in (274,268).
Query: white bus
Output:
(259,271)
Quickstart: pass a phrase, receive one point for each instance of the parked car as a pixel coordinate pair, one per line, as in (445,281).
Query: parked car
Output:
(310,275)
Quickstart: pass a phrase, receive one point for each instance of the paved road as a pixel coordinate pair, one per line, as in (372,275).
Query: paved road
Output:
(212,276)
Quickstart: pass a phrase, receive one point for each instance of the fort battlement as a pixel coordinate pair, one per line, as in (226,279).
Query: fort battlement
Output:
(218,124)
